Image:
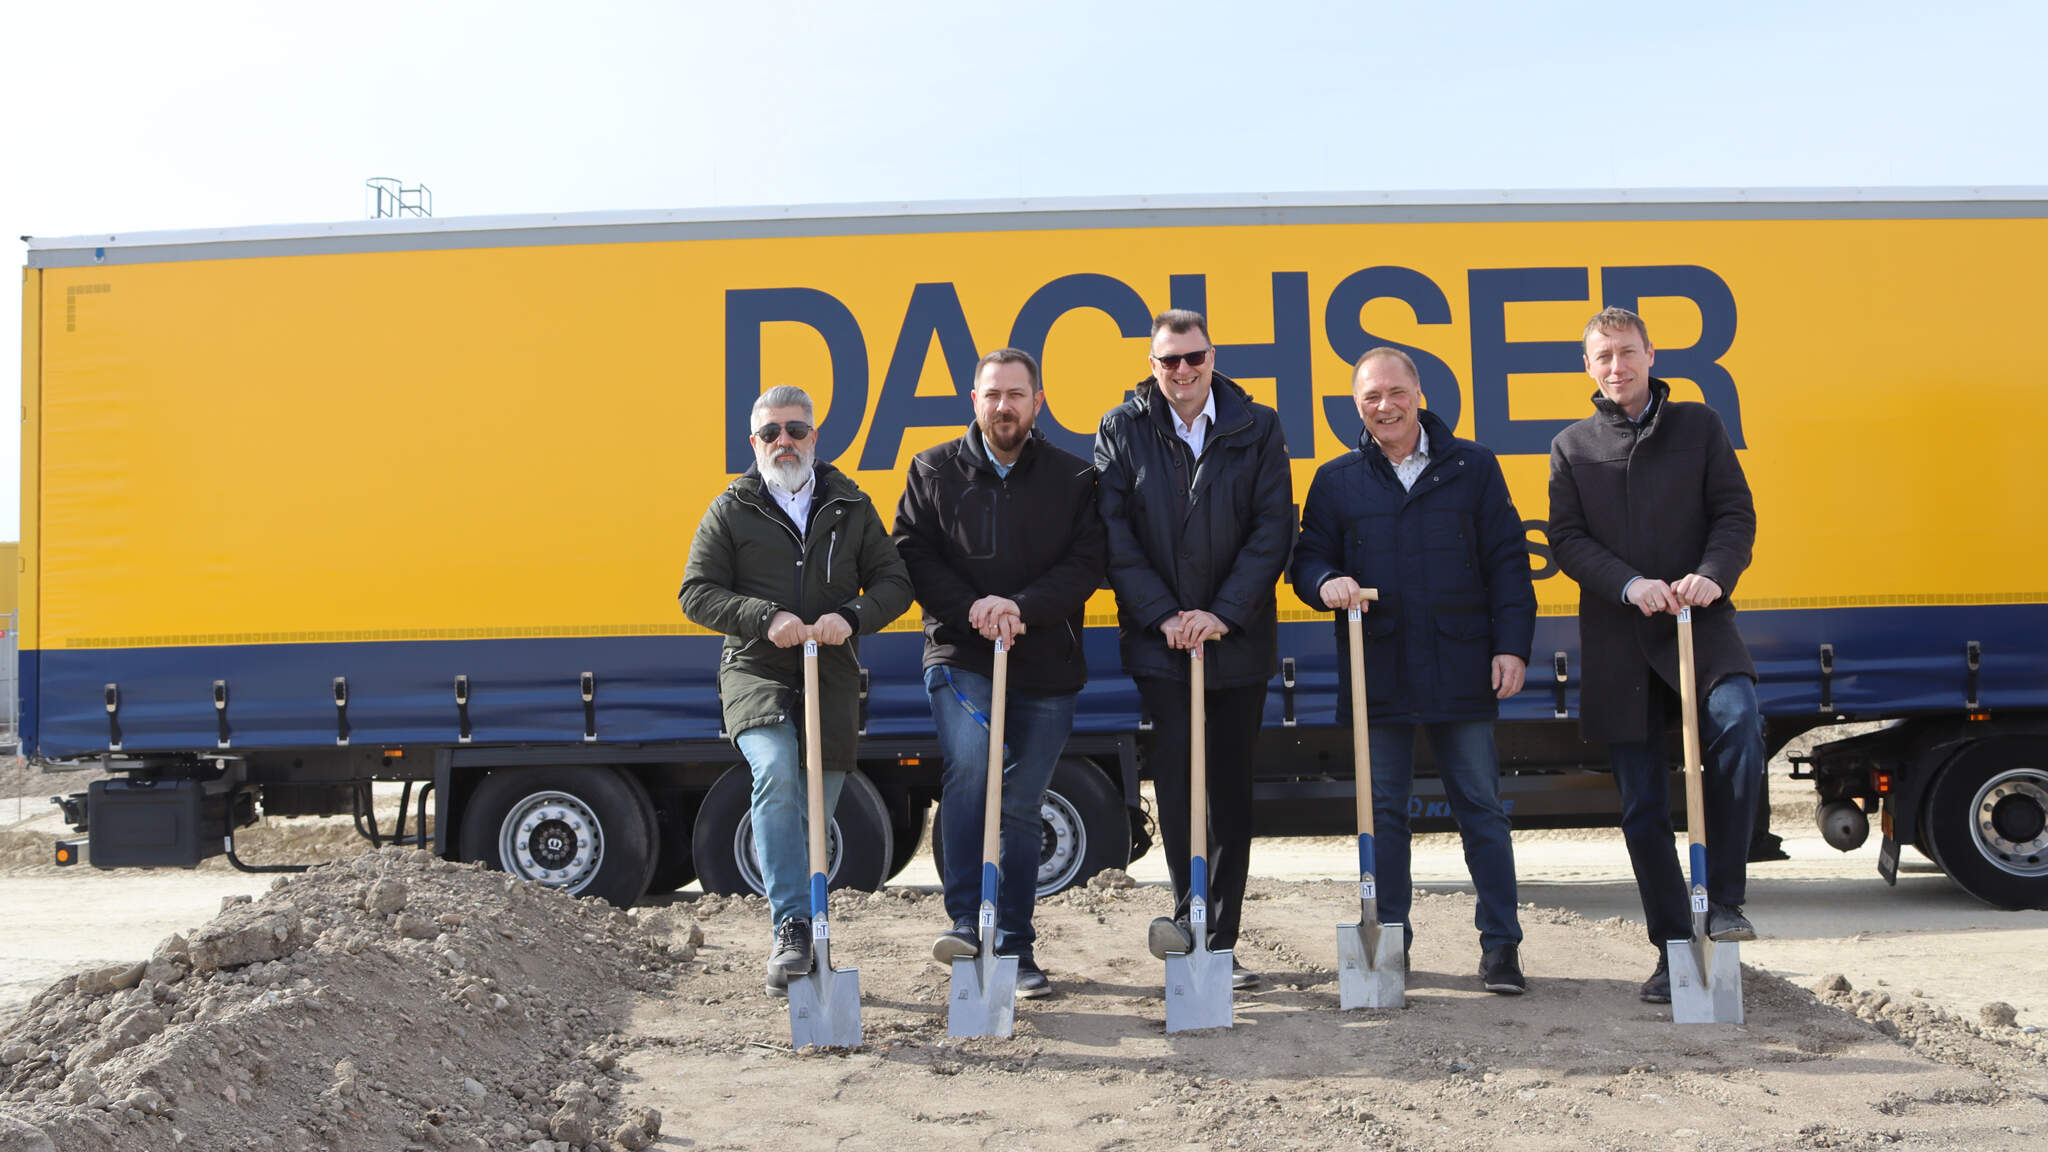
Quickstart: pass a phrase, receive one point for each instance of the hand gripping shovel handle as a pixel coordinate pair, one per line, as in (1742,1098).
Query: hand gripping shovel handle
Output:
(1695,803)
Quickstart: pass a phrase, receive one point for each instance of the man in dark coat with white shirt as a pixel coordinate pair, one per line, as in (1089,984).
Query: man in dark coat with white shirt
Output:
(1197,499)
(1650,512)
(1425,519)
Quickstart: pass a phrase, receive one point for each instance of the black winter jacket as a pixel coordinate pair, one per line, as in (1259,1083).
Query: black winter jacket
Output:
(966,531)
(747,563)
(1451,566)
(1662,500)
(1209,534)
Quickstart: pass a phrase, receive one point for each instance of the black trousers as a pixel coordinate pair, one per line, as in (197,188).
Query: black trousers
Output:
(1233,719)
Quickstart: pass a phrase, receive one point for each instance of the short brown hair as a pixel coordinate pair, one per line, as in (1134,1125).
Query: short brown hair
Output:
(1384,352)
(1012,356)
(1612,319)
(1181,320)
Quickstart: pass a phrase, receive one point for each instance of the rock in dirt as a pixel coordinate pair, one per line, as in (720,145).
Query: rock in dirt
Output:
(1834,982)
(1998,1014)
(245,935)
(20,1136)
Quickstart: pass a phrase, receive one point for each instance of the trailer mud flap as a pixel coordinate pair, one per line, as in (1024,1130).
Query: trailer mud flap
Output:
(1888,861)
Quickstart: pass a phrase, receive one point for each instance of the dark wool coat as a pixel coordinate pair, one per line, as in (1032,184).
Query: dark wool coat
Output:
(1661,500)
(747,563)
(966,531)
(1210,534)
(1450,563)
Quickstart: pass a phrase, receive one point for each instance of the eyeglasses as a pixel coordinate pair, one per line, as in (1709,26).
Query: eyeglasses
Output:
(770,433)
(1194,359)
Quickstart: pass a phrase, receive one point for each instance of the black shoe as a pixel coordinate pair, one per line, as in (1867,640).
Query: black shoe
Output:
(956,943)
(1725,922)
(1168,935)
(1657,989)
(1501,971)
(1242,977)
(790,955)
(1031,981)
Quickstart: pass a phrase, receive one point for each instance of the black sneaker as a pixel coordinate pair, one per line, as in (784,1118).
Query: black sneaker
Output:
(790,955)
(1725,923)
(1168,935)
(1031,981)
(956,943)
(1657,989)
(1241,976)
(1501,971)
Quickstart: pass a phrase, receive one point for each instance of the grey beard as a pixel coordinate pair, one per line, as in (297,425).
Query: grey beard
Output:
(790,476)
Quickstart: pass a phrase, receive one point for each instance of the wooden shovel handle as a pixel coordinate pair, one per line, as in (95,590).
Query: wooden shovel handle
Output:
(992,806)
(1688,703)
(1198,755)
(814,758)
(1361,748)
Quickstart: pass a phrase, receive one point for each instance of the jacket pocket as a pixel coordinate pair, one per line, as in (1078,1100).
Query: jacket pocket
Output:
(1464,663)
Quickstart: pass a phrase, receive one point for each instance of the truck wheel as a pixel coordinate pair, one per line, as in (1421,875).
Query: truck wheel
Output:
(907,839)
(1987,822)
(674,862)
(1084,828)
(858,841)
(583,830)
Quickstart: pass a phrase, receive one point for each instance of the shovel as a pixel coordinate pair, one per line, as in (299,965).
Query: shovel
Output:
(983,1001)
(824,1003)
(1198,993)
(1706,977)
(1371,971)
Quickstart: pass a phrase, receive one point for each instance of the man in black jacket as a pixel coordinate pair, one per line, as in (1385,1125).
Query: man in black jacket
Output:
(1650,512)
(1425,518)
(1001,536)
(1198,500)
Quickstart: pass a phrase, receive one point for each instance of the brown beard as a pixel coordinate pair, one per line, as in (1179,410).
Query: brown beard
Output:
(995,435)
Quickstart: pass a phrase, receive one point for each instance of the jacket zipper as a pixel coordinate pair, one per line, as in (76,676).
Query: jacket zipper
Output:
(831,545)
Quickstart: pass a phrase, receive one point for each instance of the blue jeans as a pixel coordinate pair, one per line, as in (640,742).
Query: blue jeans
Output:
(1035,732)
(1732,771)
(781,816)
(1470,769)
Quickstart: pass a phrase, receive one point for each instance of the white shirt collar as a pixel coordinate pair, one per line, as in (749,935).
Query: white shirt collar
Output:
(1208,411)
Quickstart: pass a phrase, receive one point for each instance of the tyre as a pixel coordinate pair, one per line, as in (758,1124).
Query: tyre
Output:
(583,829)
(1986,822)
(859,845)
(675,864)
(1085,828)
(908,837)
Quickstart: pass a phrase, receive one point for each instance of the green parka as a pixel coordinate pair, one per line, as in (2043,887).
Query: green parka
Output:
(747,563)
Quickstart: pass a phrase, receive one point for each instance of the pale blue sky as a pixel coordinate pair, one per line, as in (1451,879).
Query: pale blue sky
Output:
(122,116)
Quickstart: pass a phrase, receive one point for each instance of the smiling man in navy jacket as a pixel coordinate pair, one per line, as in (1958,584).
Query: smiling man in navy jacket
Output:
(1425,518)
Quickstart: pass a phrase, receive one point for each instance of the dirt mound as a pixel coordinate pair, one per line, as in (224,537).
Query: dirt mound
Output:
(1577,1063)
(391,1001)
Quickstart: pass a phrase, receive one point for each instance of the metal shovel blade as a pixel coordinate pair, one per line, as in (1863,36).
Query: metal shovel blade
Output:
(983,1001)
(1198,993)
(1706,981)
(1370,973)
(824,1005)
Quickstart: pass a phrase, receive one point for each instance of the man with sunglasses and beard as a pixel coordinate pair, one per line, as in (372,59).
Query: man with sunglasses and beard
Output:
(1000,533)
(1198,500)
(791,551)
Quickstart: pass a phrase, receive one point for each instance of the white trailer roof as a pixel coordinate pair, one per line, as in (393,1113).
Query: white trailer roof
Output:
(1034,214)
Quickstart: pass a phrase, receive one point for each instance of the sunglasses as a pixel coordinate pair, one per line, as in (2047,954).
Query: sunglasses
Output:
(1194,359)
(770,433)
